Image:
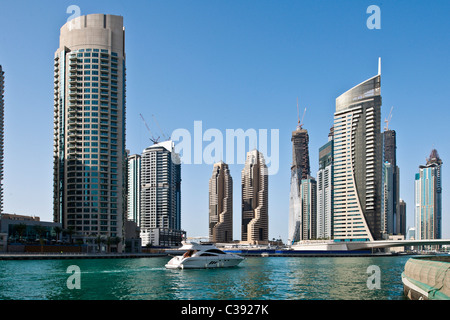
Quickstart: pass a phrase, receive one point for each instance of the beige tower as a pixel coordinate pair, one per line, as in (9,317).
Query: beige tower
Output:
(255,199)
(89,128)
(221,204)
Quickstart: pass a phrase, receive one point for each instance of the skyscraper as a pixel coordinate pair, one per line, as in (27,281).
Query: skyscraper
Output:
(308,196)
(300,169)
(255,199)
(2,120)
(89,126)
(387,205)
(401,218)
(300,153)
(160,219)
(325,190)
(428,198)
(134,188)
(391,184)
(358,163)
(295,211)
(221,204)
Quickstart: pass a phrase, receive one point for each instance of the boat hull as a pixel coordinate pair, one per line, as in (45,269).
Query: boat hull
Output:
(204,262)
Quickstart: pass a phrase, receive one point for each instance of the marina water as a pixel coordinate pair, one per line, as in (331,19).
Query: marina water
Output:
(256,278)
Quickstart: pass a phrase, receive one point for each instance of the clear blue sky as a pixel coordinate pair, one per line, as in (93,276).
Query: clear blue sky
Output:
(234,64)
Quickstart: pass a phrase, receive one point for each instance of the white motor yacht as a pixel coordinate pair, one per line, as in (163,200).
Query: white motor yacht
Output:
(202,256)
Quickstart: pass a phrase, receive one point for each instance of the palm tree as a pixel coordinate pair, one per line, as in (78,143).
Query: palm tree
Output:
(108,243)
(20,229)
(70,231)
(40,231)
(115,241)
(99,240)
(58,231)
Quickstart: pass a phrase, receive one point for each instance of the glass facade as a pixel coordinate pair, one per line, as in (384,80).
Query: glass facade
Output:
(134,188)
(428,199)
(325,191)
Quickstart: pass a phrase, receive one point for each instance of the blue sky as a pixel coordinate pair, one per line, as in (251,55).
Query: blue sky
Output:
(234,64)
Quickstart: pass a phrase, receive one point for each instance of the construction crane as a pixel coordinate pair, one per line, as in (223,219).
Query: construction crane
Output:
(151,135)
(165,137)
(300,123)
(387,120)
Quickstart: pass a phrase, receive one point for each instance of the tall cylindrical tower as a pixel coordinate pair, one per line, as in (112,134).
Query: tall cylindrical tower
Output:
(89,127)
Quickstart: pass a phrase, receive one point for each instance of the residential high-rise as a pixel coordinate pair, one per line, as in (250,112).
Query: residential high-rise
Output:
(357,160)
(428,198)
(308,196)
(390,146)
(134,188)
(295,210)
(89,126)
(2,120)
(325,190)
(391,184)
(401,218)
(387,205)
(255,199)
(221,204)
(160,219)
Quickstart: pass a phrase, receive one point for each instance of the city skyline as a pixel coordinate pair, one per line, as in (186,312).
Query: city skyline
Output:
(258,63)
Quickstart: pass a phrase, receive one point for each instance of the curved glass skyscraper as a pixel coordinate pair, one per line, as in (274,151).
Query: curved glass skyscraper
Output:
(358,163)
(89,126)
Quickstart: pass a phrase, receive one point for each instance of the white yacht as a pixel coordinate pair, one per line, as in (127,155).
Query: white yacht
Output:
(202,256)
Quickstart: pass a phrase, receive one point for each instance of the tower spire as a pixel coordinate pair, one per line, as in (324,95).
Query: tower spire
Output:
(379,66)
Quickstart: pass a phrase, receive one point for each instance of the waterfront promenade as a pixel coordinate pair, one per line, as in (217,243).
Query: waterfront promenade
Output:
(76,255)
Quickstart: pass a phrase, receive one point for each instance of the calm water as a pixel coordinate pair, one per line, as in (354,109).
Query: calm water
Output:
(277,278)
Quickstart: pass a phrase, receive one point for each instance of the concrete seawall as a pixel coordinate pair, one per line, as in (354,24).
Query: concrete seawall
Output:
(427,278)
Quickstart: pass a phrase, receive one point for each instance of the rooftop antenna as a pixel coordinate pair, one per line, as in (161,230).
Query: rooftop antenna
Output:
(152,139)
(300,123)
(379,66)
(387,120)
